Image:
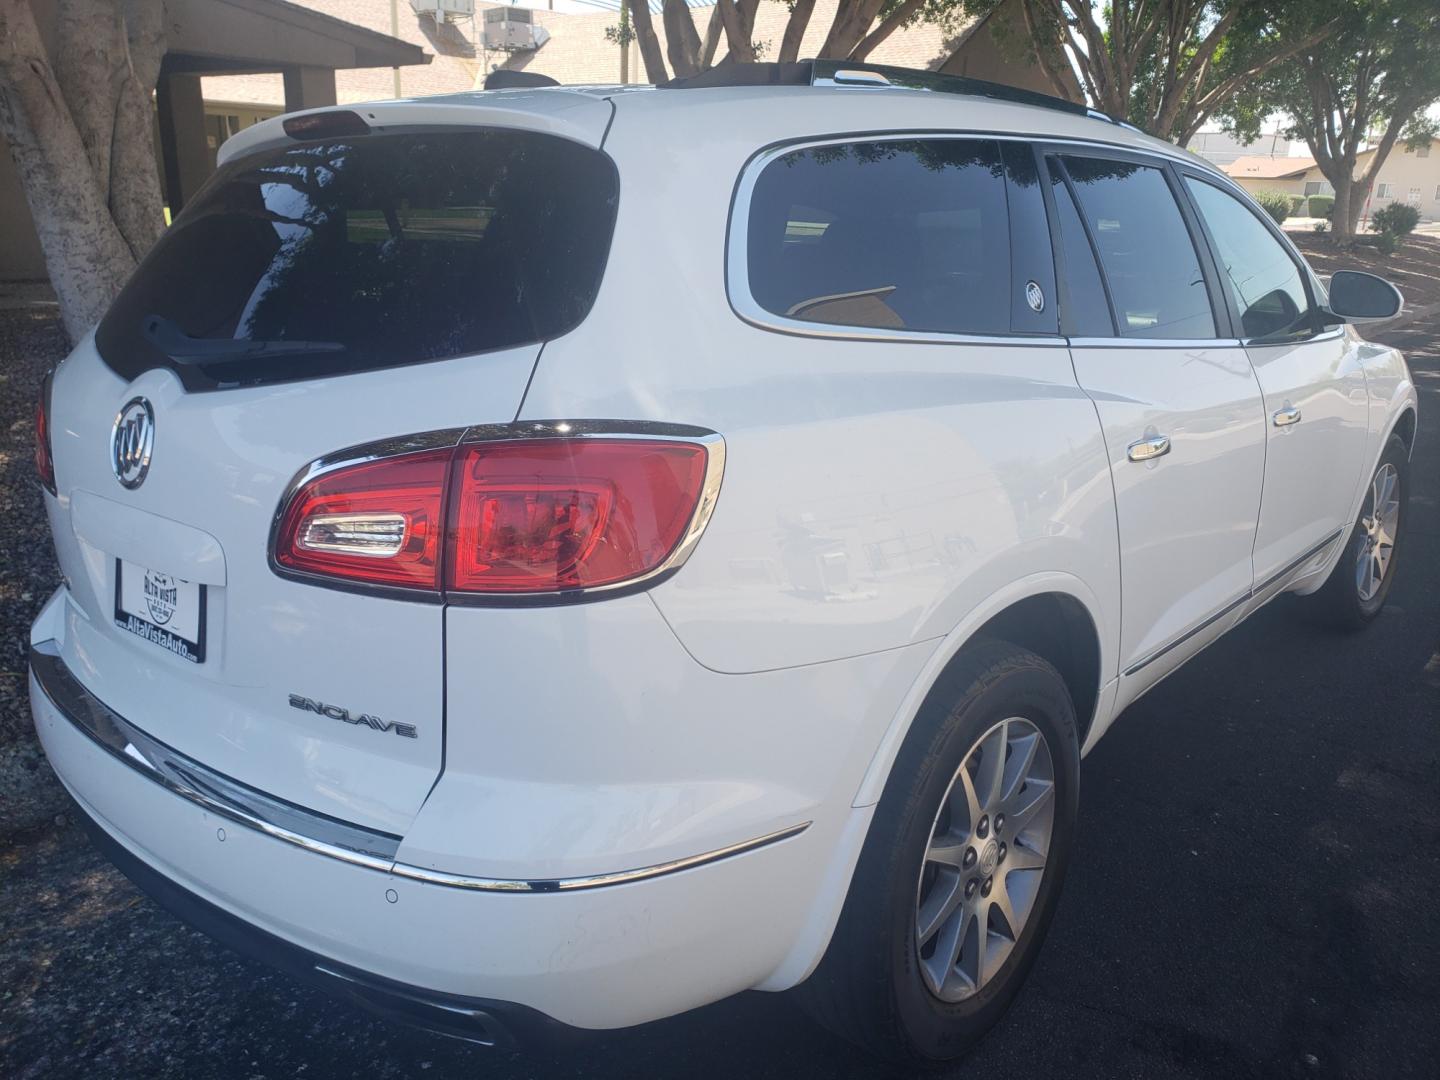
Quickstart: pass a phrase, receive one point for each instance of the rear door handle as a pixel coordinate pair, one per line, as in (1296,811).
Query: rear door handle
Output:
(1286,416)
(1149,448)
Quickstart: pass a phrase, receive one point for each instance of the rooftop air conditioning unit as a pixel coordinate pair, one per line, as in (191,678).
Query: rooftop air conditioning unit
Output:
(513,29)
(445,10)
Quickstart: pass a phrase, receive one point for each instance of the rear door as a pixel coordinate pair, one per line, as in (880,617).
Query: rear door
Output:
(1176,399)
(1316,403)
(315,299)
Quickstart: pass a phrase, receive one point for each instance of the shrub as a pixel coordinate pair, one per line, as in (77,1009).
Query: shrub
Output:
(1320,226)
(1395,221)
(1321,205)
(1274,203)
(1297,204)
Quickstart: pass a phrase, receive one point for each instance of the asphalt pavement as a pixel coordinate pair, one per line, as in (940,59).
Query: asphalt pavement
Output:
(1255,893)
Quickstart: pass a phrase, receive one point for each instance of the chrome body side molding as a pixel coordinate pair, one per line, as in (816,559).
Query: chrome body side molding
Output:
(374,850)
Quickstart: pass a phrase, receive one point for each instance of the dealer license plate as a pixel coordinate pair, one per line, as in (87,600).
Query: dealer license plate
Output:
(162,609)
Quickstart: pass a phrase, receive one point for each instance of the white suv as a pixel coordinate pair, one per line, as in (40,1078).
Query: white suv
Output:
(563,556)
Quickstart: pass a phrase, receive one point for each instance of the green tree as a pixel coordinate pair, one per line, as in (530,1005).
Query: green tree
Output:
(1166,66)
(1376,74)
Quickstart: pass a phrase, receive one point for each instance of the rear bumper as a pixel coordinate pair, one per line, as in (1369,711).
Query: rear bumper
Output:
(470,962)
(490,1023)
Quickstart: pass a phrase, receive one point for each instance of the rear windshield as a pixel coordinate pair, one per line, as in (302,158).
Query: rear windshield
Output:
(351,254)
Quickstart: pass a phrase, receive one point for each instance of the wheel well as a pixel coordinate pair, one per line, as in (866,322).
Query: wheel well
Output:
(1057,628)
(1405,428)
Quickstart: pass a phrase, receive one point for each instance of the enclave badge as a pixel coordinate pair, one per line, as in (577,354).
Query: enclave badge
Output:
(131,442)
(335,712)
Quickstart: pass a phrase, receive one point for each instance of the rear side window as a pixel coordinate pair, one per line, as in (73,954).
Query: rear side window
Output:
(1156,283)
(903,235)
(351,254)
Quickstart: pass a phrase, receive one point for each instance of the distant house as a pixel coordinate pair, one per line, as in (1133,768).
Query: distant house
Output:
(1221,148)
(1407,175)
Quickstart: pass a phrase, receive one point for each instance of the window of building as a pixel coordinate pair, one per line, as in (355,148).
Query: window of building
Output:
(1385,191)
(1413,196)
(1257,270)
(1423,151)
(1318,187)
(902,235)
(1156,284)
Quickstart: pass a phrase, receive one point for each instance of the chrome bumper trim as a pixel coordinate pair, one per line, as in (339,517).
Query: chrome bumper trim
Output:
(324,835)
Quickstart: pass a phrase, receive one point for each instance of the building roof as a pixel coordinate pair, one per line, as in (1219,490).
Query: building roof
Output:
(205,36)
(1268,168)
(577,53)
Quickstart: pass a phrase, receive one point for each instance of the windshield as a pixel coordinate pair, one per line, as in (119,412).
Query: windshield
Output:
(351,254)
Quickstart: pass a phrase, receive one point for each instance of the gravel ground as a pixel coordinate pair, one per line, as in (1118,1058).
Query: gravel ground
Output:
(31,343)
(1252,894)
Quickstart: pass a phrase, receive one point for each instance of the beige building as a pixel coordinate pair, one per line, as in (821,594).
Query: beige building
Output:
(577,51)
(1408,175)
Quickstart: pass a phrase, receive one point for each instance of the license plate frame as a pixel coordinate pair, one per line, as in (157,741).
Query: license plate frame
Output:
(167,608)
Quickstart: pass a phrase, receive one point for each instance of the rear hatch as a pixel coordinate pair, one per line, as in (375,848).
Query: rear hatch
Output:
(318,295)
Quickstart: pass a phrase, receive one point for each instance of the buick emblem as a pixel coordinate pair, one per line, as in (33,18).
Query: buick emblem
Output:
(132,441)
(1034,297)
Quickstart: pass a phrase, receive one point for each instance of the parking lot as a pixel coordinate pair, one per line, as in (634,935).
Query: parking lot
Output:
(1254,893)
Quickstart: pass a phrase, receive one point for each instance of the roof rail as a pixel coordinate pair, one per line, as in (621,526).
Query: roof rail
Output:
(846,73)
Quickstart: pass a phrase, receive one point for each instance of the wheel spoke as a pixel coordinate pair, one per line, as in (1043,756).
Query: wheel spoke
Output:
(964,802)
(1000,902)
(1027,804)
(948,850)
(1022,757)
(1023,857)
(944,898)
(990,776)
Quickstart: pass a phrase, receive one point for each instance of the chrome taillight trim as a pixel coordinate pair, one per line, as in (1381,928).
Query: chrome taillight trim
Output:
(321,834)
(713,442)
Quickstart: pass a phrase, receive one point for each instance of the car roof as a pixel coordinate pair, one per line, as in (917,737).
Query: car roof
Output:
(774,102)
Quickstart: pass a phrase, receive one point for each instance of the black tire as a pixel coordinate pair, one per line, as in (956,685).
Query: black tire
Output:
(869,988)
(1339,603)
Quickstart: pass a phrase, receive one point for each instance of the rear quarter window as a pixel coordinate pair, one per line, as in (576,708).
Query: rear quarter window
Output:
(890,235)
(352,254)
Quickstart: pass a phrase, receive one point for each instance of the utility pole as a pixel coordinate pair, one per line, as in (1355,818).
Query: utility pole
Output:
(624,42)
(395,33)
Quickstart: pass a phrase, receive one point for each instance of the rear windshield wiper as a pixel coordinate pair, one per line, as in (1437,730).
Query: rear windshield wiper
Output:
(167,336)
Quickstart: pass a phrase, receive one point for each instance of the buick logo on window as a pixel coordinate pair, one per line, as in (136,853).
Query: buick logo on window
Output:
(132,441)
(1034,297)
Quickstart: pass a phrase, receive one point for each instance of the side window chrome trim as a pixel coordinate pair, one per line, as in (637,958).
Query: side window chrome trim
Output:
(737,277)
(1154,343)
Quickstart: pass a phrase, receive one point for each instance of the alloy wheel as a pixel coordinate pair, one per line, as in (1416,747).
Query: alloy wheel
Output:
(985,859)
(1380,526)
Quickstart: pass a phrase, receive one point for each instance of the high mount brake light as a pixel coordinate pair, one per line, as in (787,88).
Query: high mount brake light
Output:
(325,125)
(526,516)
(44,458)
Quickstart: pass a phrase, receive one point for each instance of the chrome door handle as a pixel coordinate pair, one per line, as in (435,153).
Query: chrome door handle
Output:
(1149,448)
(1286,416)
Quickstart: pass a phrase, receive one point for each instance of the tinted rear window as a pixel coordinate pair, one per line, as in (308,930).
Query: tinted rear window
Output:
(903,235)
(345,255)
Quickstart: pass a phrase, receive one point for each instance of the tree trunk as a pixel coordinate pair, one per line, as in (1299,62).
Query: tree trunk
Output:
(86,255)
(740,48)
(649,44)
(888,25)
(795,29)
(682,43)
(852,22)
(135,196)
(1342,217)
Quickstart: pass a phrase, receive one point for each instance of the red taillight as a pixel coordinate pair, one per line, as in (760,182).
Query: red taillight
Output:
(44,461)
(379,523)
(531,516)
(545,516)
